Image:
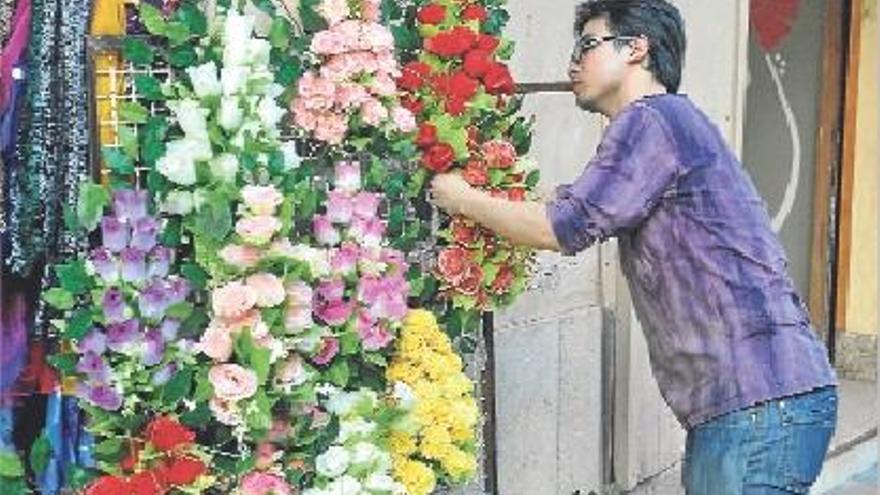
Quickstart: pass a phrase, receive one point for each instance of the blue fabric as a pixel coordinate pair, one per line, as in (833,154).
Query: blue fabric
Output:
(774,448)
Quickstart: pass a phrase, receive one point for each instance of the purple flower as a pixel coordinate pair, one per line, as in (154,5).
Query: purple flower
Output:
(385,296)
(93,366)
(163,374)
(159,262)
(169,329)
(153,301)
(144,233)
(178,290)
(373,336)
(134,265)
(95,341)
(105,397)
(122,336)
(335,313)
(331,290)
(114,234)
(154,349)
(129,204)
(329,349)
(105,264)
(114,305)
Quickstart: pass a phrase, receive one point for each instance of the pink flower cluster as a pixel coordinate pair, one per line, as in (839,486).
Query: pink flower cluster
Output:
(356,78)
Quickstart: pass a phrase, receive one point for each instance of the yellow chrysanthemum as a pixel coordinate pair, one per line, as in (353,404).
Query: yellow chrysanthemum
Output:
(417,477)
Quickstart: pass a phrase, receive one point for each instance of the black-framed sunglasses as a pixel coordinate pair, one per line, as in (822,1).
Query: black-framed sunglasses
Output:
(586,43)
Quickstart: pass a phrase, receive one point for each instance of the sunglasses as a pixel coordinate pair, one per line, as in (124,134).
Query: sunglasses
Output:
(587,43)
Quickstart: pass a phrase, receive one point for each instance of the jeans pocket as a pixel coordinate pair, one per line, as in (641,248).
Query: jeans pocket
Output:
(817,409)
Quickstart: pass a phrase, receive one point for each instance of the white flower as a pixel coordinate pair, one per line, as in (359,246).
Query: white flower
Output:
(345,485)
(342,404)
(317,259)
(224,167)
(355,428)
(380,482)
(315,491)
(177,165)
(310,341)
(231,114)
(404,395)
(270,113)
(251,127)
(364,453)
(204,79)
(193,119)
(178,202)
(291,157)
(233,79)
(258,51)
(237,32)
(333,462)
(274,91)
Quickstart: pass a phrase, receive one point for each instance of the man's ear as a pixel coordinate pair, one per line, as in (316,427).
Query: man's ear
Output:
(638,50)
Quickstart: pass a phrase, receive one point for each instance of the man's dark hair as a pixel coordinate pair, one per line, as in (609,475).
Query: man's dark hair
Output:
(657,20)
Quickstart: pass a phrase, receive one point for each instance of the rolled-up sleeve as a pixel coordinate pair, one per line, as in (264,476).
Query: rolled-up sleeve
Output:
(636,162)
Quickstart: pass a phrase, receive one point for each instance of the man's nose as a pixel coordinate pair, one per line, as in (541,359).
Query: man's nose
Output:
(573,70)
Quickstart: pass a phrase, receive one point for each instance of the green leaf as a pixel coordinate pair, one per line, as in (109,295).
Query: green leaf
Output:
(198,417)
(260,359)
(497,20)
(214,218)
(153,140)
(280,33)
(128,141)
(152,19)
(416,183)
(59,298)
(189,15)
(196,276)
(339,373)
(180,311)
(39,454)
(137,51)
(194,325)
(376,359)
(311,21)
(148,87)
(79,325)
(289,70)
(92,200)
(182,56)
(65,363)
(259,418)
(497,176)
(109,450)
(452,131)
(178,387)
(177,33)
(132,111)
(532,179)
(349,343)
(204,389)
(10,465)
(117,161)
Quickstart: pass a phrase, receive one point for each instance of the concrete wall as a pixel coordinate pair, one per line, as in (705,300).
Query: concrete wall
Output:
(549,345)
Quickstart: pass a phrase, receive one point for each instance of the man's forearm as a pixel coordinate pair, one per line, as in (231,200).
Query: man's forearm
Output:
(525,223)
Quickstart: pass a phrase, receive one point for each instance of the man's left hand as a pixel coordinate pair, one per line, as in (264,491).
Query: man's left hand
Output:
(449,192)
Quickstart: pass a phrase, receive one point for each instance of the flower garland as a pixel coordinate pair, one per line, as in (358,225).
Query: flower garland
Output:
(461,91)
(442,443)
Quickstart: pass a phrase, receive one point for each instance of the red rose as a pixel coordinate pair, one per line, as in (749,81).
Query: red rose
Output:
(456,105)
(452,43)
(145,483)
(184,471)
(414,105)
(413,75)
(439,157)
(499,153)
(516,194)
(477,62)
(474,12)
(462,232)
(475,173)
(431,14)
(427,135)
(452,264)
(440,83)
(166,434)
(472,280)
(487,42)
(503,280)
(463,86)
(498,80)
(108,485)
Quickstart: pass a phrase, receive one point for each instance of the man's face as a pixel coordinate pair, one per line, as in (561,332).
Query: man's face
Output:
(597,74)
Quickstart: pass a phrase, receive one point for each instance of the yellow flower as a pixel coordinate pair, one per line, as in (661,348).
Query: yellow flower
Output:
(402,443)
(418,478)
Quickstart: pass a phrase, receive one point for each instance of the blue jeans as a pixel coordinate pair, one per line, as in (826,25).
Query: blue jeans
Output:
(774,448)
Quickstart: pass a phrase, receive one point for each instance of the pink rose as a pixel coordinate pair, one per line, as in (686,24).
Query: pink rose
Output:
(232,382)
(216,342)
(351,95)
(269,289)
(233,300)
(348,177)
(325,232)
(225,411)
(331,127)
(339,207)
(261,200)
(240,256)
(366,205)
(329,349)
(303,117)
(403,119)
(328,43)
(261,483)
(257,230)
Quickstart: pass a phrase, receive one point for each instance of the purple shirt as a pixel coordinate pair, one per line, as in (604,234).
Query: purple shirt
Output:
(724,324)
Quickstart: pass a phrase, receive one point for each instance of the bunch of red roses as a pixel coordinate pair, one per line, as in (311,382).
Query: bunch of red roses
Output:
(164,459)
(457,80)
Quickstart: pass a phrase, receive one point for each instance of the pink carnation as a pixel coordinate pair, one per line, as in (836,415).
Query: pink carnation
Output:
(216,343)
(232,382)
(261,200)
(257,230)
(262,483)
(233,300)
(373,112)
(269,289)
(240,256)
(403,119)
(331,127)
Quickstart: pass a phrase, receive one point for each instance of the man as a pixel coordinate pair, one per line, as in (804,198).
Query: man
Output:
(730,342)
